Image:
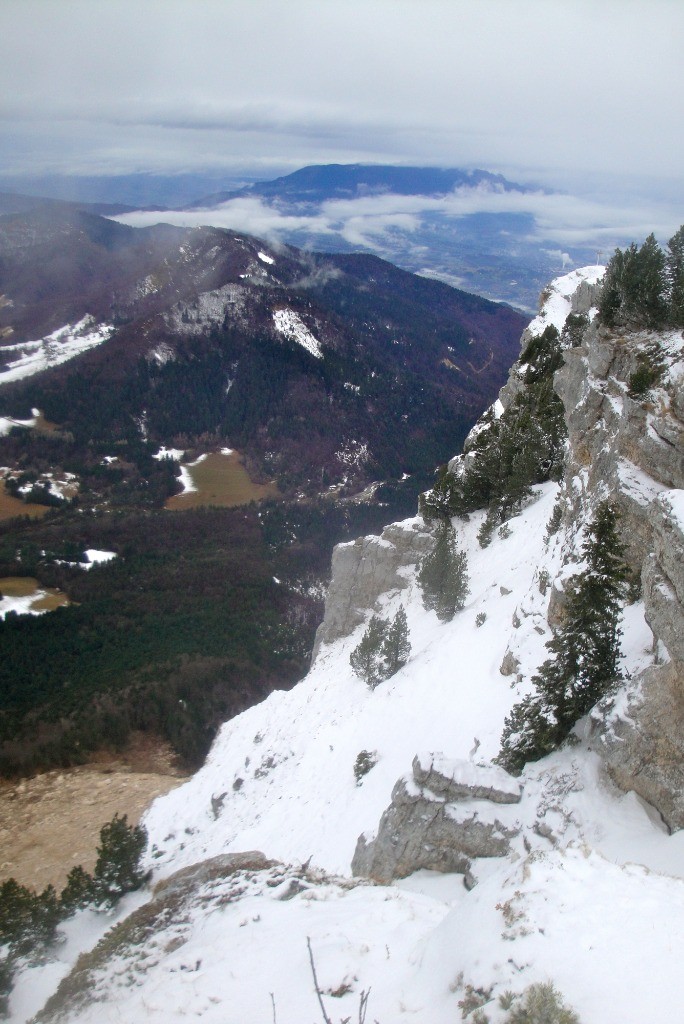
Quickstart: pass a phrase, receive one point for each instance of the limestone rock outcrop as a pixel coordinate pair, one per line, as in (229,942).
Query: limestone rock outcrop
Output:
(644,750)
(364,569)
(441,817)
(631,451)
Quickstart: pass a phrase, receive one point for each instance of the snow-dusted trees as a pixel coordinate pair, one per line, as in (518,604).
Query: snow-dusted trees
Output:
(674,260)
(443,576)
(643,287)
(508,454)
(585,650)
(383,650)
(29,920)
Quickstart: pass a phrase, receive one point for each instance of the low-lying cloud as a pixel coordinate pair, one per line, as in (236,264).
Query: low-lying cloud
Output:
(559,220)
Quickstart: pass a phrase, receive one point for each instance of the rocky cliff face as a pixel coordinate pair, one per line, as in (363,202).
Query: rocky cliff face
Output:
(629,450)
(364,570)
(632,452)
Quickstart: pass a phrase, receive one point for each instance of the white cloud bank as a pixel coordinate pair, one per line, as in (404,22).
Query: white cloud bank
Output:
(560,219)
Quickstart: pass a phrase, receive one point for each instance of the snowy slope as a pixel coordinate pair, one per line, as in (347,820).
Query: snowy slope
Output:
(31,357)
(592,872)
(591,896)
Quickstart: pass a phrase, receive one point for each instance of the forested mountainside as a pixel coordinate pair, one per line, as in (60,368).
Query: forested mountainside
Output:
(129,356)
(318,368)
(404,873)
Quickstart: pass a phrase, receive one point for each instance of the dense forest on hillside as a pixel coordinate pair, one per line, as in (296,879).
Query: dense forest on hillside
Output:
(184,629)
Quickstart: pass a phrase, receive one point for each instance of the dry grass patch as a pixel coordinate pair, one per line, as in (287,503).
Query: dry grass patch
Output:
(221,480)
(11,507)
(47,599)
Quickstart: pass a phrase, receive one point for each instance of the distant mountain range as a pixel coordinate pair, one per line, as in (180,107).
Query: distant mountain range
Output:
(472,229)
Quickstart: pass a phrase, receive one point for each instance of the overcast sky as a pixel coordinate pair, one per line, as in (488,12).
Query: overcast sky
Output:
(549,91)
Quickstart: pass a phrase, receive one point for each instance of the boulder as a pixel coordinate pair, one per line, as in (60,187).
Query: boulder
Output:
(442,826)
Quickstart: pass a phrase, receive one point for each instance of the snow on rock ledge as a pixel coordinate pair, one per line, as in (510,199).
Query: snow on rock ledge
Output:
(440,818)
(463,780)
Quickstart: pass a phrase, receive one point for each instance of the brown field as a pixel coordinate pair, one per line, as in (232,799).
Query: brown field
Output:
(43,426)
(221,480)
(11,507)
(51,822)
(24,586)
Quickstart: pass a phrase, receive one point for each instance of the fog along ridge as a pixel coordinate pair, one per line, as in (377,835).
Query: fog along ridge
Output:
(569,879)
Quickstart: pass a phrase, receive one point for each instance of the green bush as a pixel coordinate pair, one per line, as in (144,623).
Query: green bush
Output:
(648,373)
(542,1004)
(365,761)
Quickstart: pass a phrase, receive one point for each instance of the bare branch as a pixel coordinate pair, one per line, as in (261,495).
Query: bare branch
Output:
(326,1018)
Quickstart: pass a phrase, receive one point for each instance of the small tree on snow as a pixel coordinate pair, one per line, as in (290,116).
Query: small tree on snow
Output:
(443,576)
(396,648)
(586,651)
(366,659)
(383,650)
(117,870)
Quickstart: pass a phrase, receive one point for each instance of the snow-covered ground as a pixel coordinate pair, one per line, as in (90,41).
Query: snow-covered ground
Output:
(558,298)
(30,357)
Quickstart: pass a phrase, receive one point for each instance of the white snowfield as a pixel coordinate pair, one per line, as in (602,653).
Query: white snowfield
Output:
(591,897)
(31,357)
(291,325)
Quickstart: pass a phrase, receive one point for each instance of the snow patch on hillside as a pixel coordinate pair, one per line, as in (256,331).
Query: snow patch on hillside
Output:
(290,324)
(8,423)
(31,357)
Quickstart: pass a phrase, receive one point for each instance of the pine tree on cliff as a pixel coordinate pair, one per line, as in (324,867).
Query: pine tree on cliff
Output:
(443,576)
(586,651)
(634,293)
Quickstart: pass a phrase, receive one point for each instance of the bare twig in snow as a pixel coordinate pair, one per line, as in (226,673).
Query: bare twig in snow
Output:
(326,1018)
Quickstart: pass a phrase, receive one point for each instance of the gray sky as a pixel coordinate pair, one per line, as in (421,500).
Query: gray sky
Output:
(554,91)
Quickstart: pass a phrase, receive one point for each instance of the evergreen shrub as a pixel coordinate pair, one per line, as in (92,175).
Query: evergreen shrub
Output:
(443,576)
(384,649)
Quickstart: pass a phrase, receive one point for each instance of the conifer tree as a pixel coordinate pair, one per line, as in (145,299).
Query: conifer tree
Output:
(650,290)
(675,273)
(117,870)
(634,290)
(585,649)
(443,576)
(383,650)
(396,648)
(366,659)
(444,500)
